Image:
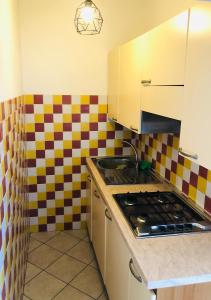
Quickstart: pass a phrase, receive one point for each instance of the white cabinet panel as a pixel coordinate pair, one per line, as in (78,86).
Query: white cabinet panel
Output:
(113,83)
(89,205)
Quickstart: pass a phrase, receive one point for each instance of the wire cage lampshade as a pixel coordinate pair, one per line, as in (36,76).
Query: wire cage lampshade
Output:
(88,19)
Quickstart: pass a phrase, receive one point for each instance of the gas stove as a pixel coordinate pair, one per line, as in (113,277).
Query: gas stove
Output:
(152,214)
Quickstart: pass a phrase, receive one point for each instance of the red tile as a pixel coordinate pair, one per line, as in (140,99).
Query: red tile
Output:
(185,187)
(60,211)
(93,99)
(101,143)
(41,179)
(76,144)
(68,178)
(58,136)
(59,186)
(42,204)
(50,195)
(39,127)
(193,179)
(118,151)
(76,169)
(67,153)
(181,160)
(51,219)
(102,117)
(164,149)
(77,217)
(32,188)
(66,99)
(111,135)
(48,118)
(93,152)
(43,227)
(29,108)
(167,174)
(76,194)
(31,163)
(57,108)
(170,140)
(40,153)
(33,212)
(49,144)
(67,127)
(59,161)
(207,206)
(67,202)
(38,99)
(203,172)
(158,158)
(68,226)
(76,118)
(84,109)
(30,136)
(50,170)
(84,135)
(174,166)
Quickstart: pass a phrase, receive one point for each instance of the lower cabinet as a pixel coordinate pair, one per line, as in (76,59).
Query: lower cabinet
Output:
(122,280)
(89,205)
(98,227)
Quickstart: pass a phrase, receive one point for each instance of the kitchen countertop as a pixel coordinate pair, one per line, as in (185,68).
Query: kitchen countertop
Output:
(162,261)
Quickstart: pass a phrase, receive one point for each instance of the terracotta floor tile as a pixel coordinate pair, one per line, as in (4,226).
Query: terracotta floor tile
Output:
(79,233)
(31,272)
(82,251)
(63,242)
(43,236)
(33,244)
(72,294)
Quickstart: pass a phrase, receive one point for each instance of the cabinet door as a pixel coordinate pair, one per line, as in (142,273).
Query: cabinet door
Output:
(89,205)
(196,123)
(164,51)
(117,257)
(113,83)
(98,228)
(137,288)
(130,84)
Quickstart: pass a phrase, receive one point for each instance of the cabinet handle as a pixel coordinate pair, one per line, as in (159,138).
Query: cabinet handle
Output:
(133,272)
(96,195)
(188,154)
(132,128)
(146,82)
(89,178)
(107,214)
(114,119)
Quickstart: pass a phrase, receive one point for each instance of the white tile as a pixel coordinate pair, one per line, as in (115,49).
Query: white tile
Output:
(31,146)
(51,227)
(76,152)
(40,162)
(58,145)
(76,201)
(47,99)
(33,220)
(200,199)
(60,219)
(76,99)
(59,194)
(41,188)
(67,108)
(208,189)
(109,143)
(49,153)
(68,210)
(32,197)
(76,177)
(93,135)
(51,203)
(102,126)
(49,127)
(102,99)
(58,118)
(76,127)
(39,136)
(84,118)
(93,109)
(38,108)
(67,136)
(42,212)
(76,225)
(67,186)
(50,178)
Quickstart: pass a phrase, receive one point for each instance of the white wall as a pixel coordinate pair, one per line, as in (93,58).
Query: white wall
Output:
(57,60)
(10,75)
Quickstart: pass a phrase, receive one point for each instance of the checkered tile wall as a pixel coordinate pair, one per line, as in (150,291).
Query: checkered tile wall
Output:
(193,180)
(13,201)
(61,132)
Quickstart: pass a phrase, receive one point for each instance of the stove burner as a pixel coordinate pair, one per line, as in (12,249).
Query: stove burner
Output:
(141,219)
(130,200)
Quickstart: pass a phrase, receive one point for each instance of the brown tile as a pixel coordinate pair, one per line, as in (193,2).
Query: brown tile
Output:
(43,287)
(65,268)
(104,296)
(94,264)
(89,282)
(43,256)
(31,272)
(82,251)
(71,293)
(63,242)
(33,244)
(43,236)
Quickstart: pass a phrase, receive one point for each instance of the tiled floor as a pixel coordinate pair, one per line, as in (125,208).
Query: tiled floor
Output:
(62,266)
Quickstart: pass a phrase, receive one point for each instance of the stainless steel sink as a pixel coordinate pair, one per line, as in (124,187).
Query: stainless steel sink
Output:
(115,163)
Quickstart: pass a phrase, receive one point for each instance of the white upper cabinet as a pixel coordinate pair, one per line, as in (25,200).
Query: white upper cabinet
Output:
(164,52)
(129,109)
(196,121)
(113,83)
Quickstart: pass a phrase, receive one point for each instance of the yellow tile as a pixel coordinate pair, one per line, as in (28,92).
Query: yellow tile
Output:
(58,127)
(169,151)
(49,136)
(31,154)
(76,108)
(33,204)
(157,167)
(50,162)
(83,225)
(76,161)
(30,127)
(59,227)
(42,220)
(76,209)
(51,211)
(85,99)
(39,118)
(67,170)
(76,136)
(154,143)
(175,142)
(83,201)
(57,99)
(93,144)
(40,145)
(59,178)
(29,99)
(93,118)
(209,176)
(127,134)
(173,178)
(67,194)
(110,126)
(67,218)
(84,152)
(67,118)
(33,228)
(202,184)
(59,203)
(118,143)
(110,151)
(41,196)
(58,153)
(102,135)
(84,126)
(32,179)
(67,144)
(76,186)
(41,171)
(48,108)
(192,192)
(187,163)
(180,169)
(50,187)
(84,177)
(102,108)
(150,151)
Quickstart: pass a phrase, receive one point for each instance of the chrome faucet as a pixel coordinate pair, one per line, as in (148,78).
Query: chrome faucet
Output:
(134,149)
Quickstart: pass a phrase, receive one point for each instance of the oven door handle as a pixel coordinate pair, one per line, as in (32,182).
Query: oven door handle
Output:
(138,277)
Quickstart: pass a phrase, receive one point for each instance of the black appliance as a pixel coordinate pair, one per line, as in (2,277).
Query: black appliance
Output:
(152,214)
